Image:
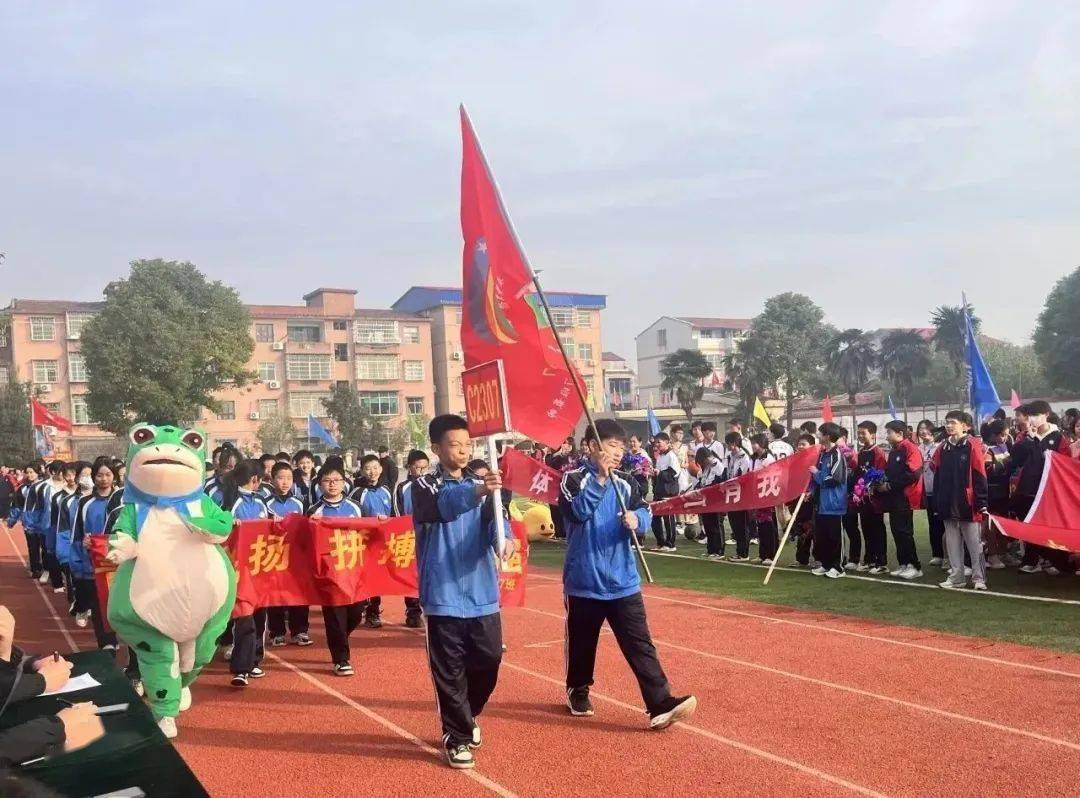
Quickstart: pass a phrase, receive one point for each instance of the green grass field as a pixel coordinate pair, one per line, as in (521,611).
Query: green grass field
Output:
(1036,623)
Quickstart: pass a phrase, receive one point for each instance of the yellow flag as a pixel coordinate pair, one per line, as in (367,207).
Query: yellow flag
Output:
(760,414)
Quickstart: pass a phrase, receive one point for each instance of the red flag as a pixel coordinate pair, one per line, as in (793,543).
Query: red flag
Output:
(716,380)
(528,477)
(826,409)
(502,318)
(104,572)
(1054,517)
(41,416)
(1014,399)
(775,484)
(1052,537)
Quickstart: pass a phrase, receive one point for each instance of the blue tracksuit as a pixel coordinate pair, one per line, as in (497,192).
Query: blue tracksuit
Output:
(342,508)
(455,546)
(830,483)
(67,503)
(91,515)
(374,501)
(280,506)
(249,506)
(599,556)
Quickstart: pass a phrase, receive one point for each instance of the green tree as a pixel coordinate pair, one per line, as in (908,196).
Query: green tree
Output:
(792,333)
(165,342)
(683,371)
(357,428)
(1014,366)
(276,434)
(16,434)
(1057,333)
(950,335)
(851,356)
(748,372)
(417,426)
(905,359)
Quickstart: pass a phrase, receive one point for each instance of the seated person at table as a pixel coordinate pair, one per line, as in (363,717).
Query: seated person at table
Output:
(23,677)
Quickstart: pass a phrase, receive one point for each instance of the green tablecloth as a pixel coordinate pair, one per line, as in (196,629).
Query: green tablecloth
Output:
(133,753)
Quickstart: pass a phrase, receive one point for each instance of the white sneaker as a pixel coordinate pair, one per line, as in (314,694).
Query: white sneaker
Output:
(815,563)
(756,560)
(185,699)
(967,570)
(168,727)
(43,579)
(911,572)
(730,542)
(226,653)
(851,566)
(861,568)
(948,584)
(766,561)
(834,573)
(1030,569)
(60,589)
(899,571)
(980,585)
(754,541)
(81,619)
(819,571)
(878,570)
(995,563)
(936,560)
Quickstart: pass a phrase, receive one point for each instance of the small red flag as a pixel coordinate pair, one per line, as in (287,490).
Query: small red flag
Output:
(502,317)
(1014,400)
(528,477)
(41,416)
(826,409)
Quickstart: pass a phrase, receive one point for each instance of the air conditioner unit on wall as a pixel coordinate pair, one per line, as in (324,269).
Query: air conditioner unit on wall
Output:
(273,385)
(455,355)
(278,346)
(254,416)
(44,387)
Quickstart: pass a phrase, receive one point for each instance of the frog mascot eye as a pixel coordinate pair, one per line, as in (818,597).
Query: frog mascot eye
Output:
(193,439)
(142,435)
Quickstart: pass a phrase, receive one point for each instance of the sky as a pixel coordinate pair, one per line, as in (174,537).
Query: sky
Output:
(681,158)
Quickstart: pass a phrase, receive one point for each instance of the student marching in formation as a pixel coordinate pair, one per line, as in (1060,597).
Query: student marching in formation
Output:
(243,500)
(282,502)
(601,582)
(340,622)
(376,501)
(416,465)
(459,584)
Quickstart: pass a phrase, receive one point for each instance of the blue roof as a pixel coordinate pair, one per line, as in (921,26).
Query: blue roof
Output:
(421,297)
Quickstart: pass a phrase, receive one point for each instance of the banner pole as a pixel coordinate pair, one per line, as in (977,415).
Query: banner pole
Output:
(500,522)
(783,540)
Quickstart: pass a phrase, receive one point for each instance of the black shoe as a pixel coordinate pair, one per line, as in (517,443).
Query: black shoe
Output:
(414,620)
(373,622)
(579,703)
(240,680)
(674,709)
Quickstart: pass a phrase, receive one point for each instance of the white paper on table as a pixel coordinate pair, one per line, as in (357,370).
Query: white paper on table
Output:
(84,681)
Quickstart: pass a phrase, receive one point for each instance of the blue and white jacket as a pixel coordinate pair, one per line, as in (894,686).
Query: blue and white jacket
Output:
(91,516)
(280,506)
(59,498)
(342,508)
(65,527)
(374,501)
(249,506)
(830,483)
(599,560)
(455,546)
(31,507)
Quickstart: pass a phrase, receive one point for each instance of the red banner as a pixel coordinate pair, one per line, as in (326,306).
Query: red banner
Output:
(41,416)
(98,546)
(1054,518)
(338,561)
(773,485)
(529,477)
(501,314)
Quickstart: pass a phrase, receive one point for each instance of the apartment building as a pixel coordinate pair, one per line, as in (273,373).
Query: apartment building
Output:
(713,337)
(620,382)
(300,352)
(576,318)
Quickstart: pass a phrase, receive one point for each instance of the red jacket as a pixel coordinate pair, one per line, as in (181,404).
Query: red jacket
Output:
(903,472)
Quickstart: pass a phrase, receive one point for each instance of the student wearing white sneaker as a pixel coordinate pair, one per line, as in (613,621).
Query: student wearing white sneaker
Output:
(829,479)
(961,498)
(902,492)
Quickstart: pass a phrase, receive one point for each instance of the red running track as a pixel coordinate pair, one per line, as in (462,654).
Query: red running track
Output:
(791,702)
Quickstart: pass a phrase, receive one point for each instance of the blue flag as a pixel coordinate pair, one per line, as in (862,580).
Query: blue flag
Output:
(654,422)
(317,430)
(982,394)
(892,409)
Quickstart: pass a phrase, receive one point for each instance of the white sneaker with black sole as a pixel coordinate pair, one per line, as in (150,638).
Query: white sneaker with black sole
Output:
(910,572)
(477,737)
(460,757)
(834,573)
(239,680)
(257,673)
(820,571)
(343,669)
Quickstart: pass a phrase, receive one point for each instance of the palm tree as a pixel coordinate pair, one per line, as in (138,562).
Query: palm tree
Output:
(905,358)
(747,370)
(851,356)
(950,336)
(684,372)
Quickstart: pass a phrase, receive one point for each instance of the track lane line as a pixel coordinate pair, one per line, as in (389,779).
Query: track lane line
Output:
(649,595)
(41,592)
(853,690)
(404,734)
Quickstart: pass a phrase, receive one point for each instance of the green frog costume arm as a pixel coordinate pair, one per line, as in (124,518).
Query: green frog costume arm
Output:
(175,586)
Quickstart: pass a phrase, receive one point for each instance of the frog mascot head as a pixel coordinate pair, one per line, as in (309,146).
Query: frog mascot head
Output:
(175,586)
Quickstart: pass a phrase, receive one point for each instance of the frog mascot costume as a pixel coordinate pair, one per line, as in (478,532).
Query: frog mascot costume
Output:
(175,586)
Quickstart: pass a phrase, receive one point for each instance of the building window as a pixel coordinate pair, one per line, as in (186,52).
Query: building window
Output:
(562,317)
(76,367)
(583,318)
(376,367)
(457,315)
(53,407)
(307,367)
(267,371)
(80,412)
(715,360)
(3,335)
(706,333)
(264,333)
(4,375)
(46,371)
(568,344)
(75,324)
(42,328)
(227,411)
(302,405)
(341,324)
(414,405)
(341,353)
(414,370)
(268,408)
(661,339)
(375,331)
(584,352)
(410,334)
(305,333)
(380,403)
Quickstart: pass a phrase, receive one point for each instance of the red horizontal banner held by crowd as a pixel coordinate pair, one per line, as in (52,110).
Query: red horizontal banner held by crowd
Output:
(338,561)
(775,484)
(1054,518)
